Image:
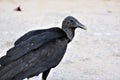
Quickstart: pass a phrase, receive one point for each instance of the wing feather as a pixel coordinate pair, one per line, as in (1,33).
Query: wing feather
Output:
(47,56)
(28,35)
(28,45)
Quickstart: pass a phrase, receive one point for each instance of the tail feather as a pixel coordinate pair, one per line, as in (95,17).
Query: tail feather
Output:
(9,71)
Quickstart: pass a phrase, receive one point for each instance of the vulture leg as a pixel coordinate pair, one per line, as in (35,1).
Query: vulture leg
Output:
(45,74)
(28,78)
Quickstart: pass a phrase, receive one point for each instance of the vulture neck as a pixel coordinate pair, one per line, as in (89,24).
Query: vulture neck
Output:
(70,32)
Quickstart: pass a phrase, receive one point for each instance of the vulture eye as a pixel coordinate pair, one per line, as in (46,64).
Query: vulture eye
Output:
(71,21)
(67,22)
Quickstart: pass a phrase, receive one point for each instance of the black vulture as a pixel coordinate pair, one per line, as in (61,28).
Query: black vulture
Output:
(38,51)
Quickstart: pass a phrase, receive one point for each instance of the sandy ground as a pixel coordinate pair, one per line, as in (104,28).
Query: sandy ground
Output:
(92,55)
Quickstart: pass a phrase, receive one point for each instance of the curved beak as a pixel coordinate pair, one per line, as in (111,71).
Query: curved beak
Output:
(79,25)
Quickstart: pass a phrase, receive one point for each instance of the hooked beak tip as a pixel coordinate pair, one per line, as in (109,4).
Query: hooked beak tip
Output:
(79,25)
(83,27)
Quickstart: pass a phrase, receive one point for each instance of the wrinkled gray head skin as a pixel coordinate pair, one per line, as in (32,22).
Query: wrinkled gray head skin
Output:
(71,22)
(69,25)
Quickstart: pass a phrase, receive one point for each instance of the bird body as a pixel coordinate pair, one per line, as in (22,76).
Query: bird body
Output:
(36,52)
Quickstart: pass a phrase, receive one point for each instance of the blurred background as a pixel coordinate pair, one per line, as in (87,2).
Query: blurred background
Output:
(92,55)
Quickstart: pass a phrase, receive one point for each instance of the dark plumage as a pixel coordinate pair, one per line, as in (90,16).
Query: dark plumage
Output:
(38,51)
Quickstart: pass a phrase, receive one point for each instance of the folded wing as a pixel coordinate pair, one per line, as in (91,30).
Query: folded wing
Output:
(26,46)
